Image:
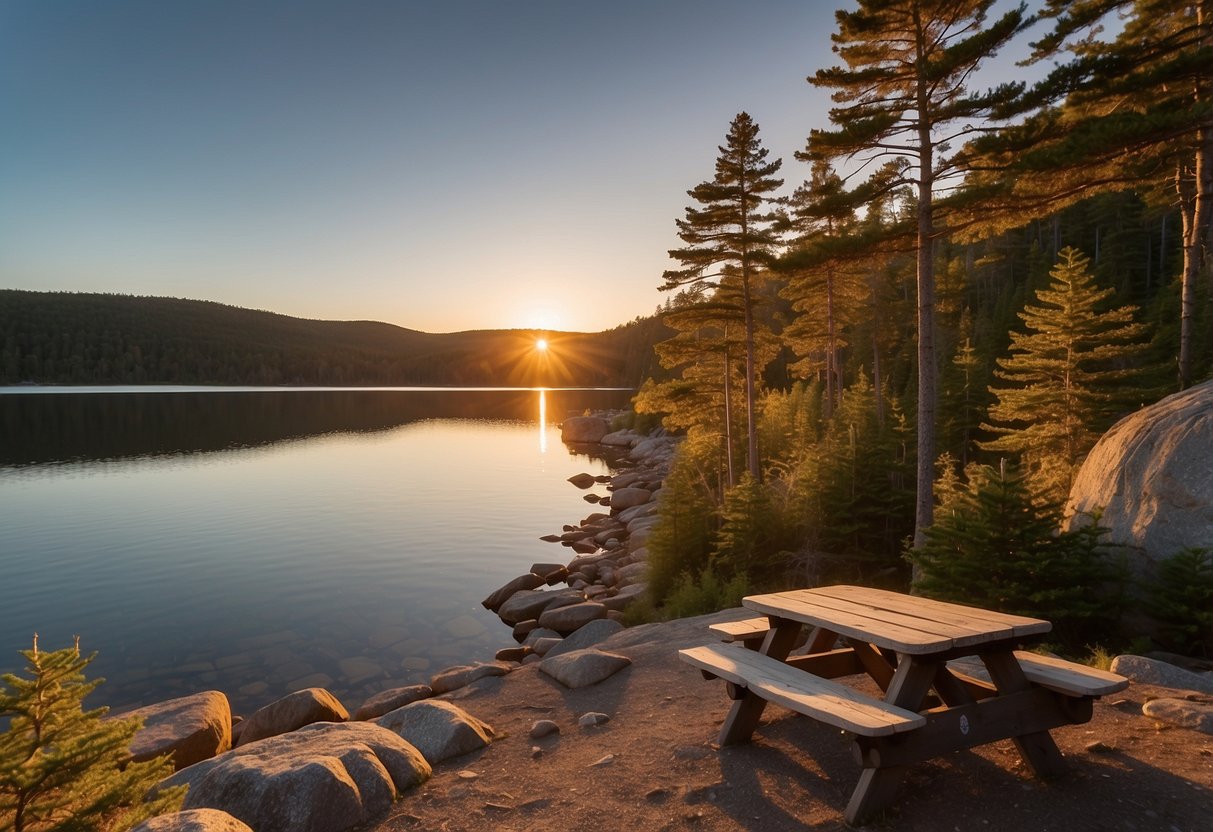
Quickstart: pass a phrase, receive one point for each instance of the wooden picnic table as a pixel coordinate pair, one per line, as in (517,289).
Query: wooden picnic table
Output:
(904,643)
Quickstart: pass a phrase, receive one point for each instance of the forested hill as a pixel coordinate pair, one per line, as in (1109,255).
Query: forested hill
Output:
(69,338)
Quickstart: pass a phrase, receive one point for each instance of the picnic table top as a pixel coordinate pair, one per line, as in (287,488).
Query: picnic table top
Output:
(893,620)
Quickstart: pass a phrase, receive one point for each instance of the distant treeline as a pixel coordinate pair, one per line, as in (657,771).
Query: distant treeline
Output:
(73,338)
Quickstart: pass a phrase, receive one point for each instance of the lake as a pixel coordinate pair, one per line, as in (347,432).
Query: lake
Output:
(258,541)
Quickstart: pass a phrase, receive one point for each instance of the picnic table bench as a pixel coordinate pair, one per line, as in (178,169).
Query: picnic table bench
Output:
(904,644)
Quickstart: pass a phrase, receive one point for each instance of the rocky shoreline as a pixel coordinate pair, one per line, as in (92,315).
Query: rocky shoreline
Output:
(303,763)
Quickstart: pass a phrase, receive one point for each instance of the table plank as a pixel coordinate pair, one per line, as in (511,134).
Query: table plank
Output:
(962,632)
(861,626)
(939,610)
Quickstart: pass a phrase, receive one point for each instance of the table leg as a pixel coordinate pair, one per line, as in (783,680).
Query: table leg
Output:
(745,713)
(910,684)
(1037,748)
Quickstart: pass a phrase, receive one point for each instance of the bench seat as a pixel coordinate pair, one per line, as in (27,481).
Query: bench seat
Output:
(1068,677)
(748,630)
(821,699)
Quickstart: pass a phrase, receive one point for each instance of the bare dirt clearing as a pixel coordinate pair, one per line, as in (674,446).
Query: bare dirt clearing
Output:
(655,766)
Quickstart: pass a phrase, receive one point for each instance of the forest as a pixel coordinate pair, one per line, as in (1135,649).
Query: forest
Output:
(79,338)
(892,375)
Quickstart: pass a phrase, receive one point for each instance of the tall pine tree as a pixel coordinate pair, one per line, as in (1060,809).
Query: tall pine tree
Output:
(733,229)
(903,94)
(1067,377)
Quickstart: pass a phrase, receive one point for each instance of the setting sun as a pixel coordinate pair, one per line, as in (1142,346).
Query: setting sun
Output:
(541,345)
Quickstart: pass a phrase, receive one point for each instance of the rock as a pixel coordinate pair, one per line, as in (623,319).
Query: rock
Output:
(531,580)
(582,481)
(543,645)
(355,669)
(586,636)
(584,547)
(1150,475)
(632,573)
(439,730)
(592,719)
(320,778)
(390,700)
(1152,672)
(550,538)
(582,668)
(522,628)
(512,654)
(538,634)
(543,728)
(193,820)
(565,620)
(456,677)
(1098,747)
(629,497)
(620,439)
(291,712)
(592,498)
(1180,712)
(552,573)
(583,429)
(1192,663)
(530,603)
(605,760)
(624,597)
(192,728)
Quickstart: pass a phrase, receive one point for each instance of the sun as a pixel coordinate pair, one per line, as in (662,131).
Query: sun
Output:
(541,344)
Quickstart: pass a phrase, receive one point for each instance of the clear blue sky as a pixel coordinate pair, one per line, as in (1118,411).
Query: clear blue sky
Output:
(438,165)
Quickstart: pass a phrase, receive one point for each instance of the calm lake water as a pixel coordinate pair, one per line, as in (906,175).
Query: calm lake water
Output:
(259,541)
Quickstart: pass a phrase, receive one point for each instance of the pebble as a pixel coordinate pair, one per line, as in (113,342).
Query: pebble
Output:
(606,760)
(468,775)
(543,728)
(1098,747)
(592,719)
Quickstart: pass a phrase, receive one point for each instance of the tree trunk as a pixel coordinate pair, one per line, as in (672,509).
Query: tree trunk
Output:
(751,424)
(730,471)
(924,504)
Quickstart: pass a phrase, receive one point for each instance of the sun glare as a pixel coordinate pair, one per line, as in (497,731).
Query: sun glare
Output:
(541,344)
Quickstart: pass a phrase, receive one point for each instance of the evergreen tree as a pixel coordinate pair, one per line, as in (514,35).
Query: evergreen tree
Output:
(993,547)
(733,230)
(1067,377)
(63,768)
(902,94)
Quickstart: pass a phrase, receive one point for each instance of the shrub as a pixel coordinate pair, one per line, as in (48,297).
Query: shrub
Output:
(1181,600)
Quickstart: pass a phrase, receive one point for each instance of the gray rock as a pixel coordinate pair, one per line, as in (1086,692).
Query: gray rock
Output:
(543,645)
(193,820)
(192,729)
(537,634)
(1150,475)
(1181,712)
(552,573)
(624,597)
(456,677)
(439,730)
(1153,672)
(586,636)
(593,719)
(543,728)
(523,628)
(629,497)
(582,480)
(390,700)
(530,603)
(632,573)
(583,429)
(320,778)
(293,711)
(512,654)
(528,581)
(566,619)
(582,668)
(620,439)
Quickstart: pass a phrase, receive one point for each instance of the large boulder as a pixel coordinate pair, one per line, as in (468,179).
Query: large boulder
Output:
(439,730)
(1151,476)
(390,700)
(565,620)
(462,675)
(502,594)
(584,429)
(192,728)
(530,603)
(321,778)
(193,820)
(586,636)
(630,497)
(303,707)
(582,668)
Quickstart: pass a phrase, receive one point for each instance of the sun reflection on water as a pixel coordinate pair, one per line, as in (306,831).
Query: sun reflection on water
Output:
(543,421)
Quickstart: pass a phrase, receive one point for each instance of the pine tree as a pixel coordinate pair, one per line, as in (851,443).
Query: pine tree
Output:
(733,230)
(63,768)
(1067,377)
(902,94)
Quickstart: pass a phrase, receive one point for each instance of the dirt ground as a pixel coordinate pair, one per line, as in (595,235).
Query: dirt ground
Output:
(655,765)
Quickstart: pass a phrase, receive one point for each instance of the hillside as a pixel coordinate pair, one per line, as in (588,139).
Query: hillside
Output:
(70,338)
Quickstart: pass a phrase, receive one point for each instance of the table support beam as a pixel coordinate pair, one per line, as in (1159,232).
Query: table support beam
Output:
(1038,749)
(745,712)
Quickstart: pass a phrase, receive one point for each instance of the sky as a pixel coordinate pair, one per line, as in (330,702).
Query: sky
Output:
(443,166)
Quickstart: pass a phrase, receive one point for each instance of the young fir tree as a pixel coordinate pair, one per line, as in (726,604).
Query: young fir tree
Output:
(733,229)
(993,547)
(1067,377)
(903,94)
(63,768)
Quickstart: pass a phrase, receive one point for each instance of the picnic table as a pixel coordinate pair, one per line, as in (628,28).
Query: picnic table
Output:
(904,643)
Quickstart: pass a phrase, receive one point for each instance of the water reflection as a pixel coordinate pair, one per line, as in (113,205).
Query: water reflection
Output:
(543,420)
(62,427)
